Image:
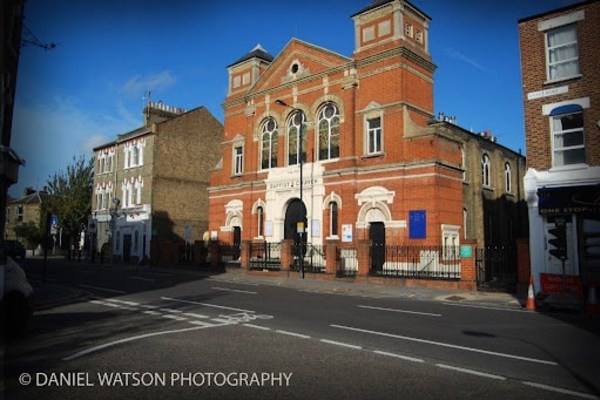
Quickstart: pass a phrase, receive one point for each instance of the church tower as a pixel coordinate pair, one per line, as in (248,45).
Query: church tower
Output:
(392,43)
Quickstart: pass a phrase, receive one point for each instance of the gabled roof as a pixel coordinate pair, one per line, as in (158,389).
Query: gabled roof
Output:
(257,52)
(294,48)
(33,198)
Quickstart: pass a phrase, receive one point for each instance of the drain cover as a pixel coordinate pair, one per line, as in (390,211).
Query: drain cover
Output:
(455,298)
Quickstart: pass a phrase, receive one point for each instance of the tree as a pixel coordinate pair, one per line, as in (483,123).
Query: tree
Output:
(70,197)
(31,233)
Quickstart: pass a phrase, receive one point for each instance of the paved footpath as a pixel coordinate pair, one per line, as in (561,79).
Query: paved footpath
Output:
(48,295)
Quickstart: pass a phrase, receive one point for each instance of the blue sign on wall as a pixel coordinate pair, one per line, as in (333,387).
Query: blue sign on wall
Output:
(417,224)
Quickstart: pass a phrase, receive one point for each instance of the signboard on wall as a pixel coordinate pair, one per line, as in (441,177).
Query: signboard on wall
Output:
(346,232)
(417,224)
(558,283)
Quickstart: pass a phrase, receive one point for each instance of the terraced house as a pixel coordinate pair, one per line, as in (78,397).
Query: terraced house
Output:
(322,149)
(150,185)
(561,100)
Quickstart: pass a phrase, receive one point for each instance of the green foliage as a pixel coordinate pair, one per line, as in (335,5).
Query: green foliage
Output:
(31,233)
(70,195)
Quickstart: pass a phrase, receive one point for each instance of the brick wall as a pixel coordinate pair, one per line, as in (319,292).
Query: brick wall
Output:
(185,151)
(534,77)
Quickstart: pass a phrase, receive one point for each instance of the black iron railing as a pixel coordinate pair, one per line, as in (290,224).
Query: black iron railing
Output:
(265,255)
(425,262)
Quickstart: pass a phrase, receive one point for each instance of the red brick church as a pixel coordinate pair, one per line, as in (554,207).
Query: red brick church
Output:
(339,149)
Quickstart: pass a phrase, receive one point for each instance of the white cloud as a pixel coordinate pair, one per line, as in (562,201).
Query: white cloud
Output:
(141,84)
(48,135)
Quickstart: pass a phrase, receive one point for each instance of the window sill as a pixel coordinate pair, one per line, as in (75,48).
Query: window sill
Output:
(569,78)
(488,188)
(373,155)
(571,167)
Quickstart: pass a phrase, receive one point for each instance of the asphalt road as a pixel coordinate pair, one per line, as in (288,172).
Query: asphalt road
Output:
(153,334)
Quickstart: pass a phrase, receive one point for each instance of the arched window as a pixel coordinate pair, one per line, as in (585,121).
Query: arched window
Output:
(507,178)
(333,219)
(260,221)
(297,138)
(329,132)
(485,171)
(269,144)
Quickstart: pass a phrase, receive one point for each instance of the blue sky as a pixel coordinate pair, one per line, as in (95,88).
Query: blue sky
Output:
(109,53)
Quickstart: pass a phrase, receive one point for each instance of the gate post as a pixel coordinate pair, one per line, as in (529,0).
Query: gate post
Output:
(363,255)
(245,254)
(215,256)
(286,254)
(468,272)
(331,261)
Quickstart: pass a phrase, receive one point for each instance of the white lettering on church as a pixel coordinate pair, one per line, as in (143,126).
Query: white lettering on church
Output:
(293,184)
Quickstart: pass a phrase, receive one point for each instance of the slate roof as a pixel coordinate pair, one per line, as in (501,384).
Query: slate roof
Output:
(257,52)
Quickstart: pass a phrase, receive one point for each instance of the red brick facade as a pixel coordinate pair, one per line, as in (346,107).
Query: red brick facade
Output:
(389,77)
(535,79)
(561,97)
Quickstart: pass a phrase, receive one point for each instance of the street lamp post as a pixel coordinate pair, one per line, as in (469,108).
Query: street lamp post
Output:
(300,162)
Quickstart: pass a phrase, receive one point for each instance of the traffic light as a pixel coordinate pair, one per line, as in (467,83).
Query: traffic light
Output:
(558,239)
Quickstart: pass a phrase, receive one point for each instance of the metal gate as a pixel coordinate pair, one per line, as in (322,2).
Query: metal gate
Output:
(496,268)
(265,255)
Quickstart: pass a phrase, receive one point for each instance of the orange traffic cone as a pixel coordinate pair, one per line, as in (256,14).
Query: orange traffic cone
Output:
(592,304)
(530,305)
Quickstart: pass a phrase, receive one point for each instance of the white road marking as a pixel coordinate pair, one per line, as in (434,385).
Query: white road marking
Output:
(101,288)
(351,346)
(401,311)
(175,317)
(486,307)
(442,344)
(299,335)
(129,303)
(130,339)
(194,315)
(151,307)
(102,303)
(561,390)
(150,312)
(206,304)
(472,372)
(139,278)
(170,310)
(200,323)
(223,321)
(385,353)
(263,328)
(233,290)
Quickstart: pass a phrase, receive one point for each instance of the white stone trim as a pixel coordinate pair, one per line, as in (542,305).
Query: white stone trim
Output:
(561,21)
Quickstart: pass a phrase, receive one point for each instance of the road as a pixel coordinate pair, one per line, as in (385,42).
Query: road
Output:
(147,333)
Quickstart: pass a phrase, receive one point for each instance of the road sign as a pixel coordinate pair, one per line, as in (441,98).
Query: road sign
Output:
(92,226)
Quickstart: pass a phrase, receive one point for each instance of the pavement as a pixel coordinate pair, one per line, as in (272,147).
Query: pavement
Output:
(50,294)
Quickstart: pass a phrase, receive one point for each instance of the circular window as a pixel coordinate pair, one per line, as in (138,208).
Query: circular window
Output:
(294,68)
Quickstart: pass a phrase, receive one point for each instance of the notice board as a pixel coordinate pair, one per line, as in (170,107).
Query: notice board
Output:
(417,224)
